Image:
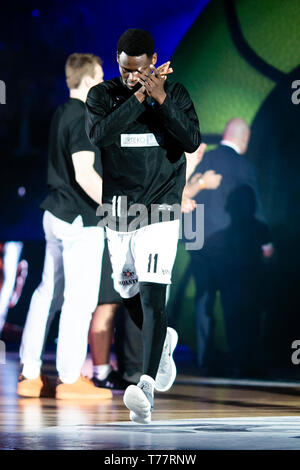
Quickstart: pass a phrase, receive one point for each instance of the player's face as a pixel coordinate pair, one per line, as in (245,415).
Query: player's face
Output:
(129,65)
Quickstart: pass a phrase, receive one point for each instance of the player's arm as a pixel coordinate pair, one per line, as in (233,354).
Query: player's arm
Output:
(181,120)
(105,124)
(208,180)
(193,160)
(86,176)
(187,204)
(177,113)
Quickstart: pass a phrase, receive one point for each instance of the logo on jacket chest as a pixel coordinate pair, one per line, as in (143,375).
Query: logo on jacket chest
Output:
(141,140)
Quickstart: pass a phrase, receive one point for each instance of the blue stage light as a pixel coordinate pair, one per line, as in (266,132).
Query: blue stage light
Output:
(35,13)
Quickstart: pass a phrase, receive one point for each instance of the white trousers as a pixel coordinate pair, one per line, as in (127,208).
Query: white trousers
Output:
(11,258)
(70,283)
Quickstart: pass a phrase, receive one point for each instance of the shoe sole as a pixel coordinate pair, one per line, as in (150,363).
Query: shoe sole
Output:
(138,419)
(29,394)
(174,340)
(136,401)
(42,393)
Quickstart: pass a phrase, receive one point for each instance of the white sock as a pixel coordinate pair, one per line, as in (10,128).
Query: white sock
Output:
(101,372)
(68,379)
(31,371)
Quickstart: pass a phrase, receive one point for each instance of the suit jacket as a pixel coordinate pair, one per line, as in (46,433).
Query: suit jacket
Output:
(236,202)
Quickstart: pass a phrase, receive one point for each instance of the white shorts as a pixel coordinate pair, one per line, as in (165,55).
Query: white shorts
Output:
(144,255)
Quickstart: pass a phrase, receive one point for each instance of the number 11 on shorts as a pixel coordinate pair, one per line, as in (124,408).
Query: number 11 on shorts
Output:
(154,267)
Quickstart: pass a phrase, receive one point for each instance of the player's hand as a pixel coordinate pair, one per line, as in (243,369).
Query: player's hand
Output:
(153,83)
(165,69)
(211,179)
(141,94)
(194,180)
(188,205)
(194,186)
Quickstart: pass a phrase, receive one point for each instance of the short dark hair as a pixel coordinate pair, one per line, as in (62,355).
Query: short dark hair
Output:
(78,65)
(136,42)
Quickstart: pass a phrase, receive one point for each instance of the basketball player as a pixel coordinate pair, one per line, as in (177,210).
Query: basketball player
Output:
(74,246)
(143,125)
(102,324)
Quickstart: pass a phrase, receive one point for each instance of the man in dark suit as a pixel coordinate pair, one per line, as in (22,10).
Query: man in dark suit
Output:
(231,260)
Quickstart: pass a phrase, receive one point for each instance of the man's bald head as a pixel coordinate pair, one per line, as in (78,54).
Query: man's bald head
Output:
(238,132)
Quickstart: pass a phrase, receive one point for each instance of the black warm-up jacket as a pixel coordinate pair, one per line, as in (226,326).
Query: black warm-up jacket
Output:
(142,144)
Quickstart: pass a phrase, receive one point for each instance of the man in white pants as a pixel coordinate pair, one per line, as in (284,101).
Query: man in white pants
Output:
(74,246)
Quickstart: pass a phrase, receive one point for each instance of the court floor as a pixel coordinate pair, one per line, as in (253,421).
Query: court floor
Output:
(195,414)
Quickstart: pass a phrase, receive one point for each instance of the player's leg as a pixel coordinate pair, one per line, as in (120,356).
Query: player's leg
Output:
(128,346)
(150,317)
(125,280)
(100,340)
(135,309)
(154,330)
(82,253)
(139,399)
(102,328)
(155,249)
(124,273)
(155,252)
(45,301)
(126,283)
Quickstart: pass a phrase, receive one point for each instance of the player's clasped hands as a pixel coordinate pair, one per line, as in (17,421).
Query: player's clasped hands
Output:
(154,82)
(165,69)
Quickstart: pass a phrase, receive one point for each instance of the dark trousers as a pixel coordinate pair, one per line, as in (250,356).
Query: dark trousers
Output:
(128,346)
(147,311)
(241,297)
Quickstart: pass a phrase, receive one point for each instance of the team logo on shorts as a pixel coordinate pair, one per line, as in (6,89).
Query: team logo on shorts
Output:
(128,277)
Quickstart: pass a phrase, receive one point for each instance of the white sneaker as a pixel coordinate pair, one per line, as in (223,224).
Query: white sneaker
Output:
(166,373)
(139,400)
(139,419)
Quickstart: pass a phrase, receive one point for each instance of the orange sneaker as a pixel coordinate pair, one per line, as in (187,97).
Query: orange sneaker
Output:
(41,387)
(82,388)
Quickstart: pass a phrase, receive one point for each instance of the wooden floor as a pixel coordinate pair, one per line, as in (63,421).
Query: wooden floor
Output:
(192,407)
